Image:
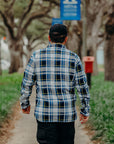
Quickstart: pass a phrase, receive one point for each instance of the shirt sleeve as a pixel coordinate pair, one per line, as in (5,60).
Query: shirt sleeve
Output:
(82,87)
(27,83)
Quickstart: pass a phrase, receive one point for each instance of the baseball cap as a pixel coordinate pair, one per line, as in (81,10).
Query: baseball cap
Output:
(58,31)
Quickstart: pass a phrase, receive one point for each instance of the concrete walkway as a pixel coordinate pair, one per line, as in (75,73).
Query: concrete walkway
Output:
(25,129)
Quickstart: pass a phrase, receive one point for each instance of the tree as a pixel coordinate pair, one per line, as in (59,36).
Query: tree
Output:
(95,11)
(17,16)
(2,33)
(0,59)
(100,21)
(109,45)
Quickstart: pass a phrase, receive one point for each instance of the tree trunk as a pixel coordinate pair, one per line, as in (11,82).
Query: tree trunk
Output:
(109,46)
(16,50)
(0,59)
(15,61)
(109,58)
(74,42)
(94,20)
(29,52)
(95,65)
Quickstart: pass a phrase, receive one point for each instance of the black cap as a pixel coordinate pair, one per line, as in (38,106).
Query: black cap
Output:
(58,30)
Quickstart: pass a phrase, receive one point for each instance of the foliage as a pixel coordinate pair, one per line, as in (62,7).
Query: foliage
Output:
(9,93)
(19,7)
(2,32)
(16,17)
(35,29)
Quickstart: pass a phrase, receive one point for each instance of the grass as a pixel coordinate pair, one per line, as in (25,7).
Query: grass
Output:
(102,109)
(9,93)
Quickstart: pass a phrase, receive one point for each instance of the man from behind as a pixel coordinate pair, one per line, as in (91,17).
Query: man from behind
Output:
(56,72)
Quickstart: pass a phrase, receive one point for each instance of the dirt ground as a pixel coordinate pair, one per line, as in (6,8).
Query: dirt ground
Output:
(24,131)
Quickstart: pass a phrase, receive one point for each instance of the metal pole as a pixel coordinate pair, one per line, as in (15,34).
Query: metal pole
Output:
(0,59)
(84,47)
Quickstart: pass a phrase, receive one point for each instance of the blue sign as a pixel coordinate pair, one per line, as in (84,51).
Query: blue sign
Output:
(70,9)
(57,21)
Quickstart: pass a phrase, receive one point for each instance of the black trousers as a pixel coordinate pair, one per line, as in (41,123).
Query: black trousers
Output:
(55,133)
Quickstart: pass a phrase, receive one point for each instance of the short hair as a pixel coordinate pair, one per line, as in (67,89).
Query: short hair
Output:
(58,33)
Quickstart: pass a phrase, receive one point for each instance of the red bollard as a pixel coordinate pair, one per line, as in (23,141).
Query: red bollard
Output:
(88,66)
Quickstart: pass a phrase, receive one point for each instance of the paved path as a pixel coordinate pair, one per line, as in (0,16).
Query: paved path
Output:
(25,129)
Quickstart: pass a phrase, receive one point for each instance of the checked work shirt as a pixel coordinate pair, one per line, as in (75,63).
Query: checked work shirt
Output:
(56,72)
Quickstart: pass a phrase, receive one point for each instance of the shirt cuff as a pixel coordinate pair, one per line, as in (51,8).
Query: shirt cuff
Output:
(85,111)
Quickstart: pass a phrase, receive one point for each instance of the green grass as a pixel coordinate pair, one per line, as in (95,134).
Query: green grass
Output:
(9,93)
(102,108)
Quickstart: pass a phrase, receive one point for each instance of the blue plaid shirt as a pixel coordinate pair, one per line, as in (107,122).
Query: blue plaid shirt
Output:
(56,72)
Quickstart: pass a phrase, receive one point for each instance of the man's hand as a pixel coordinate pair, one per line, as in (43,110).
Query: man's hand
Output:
(83,119)
(27,110)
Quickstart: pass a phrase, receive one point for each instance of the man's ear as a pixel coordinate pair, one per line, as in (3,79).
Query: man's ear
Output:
(65,40)
(49,38)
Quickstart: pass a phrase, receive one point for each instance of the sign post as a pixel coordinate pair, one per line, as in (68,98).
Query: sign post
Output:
(84,46)
(57,21)
(70,9)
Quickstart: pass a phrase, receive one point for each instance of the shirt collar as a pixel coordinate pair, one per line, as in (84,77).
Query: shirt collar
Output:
(56,45)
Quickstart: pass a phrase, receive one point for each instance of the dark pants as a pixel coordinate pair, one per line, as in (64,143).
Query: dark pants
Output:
(55,133)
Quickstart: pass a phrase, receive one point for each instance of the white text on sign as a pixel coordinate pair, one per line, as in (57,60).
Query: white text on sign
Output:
(70,2)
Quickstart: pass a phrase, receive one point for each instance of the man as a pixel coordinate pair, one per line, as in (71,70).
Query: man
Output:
(56,72)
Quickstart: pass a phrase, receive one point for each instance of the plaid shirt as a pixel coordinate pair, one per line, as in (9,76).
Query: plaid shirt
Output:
(56,72)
